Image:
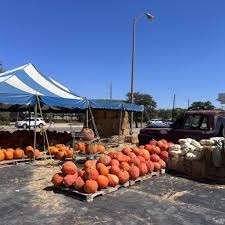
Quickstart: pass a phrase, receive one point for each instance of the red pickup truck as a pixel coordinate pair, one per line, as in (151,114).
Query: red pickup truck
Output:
(196,124)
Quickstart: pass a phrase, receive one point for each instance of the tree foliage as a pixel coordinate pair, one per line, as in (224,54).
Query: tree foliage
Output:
(147,101)
(142,99)
(202,105)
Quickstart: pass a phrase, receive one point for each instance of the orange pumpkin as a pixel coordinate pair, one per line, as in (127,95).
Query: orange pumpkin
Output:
(154,158)
(101,148)
(8,154)
(57,179)
(69,179)
(103,170)
(2,155)
(114,170)
(93,148)
(90,164)
(114,162)
(90,174)
(150,166)
(28,148)
(113,180)
(60,155)
(146,154)
(88,134)
(82,147)
(135,161)
(79,184)
(30,154)
(53,150)
(69,153)
(126,151)
(153,142)
(157,166)
(18,154)
(142,159)
(143,169)
(105,159)
(102,181)
(134,172)
(123,177)
(90,186)
(69,168)
(164,155)
(124,166)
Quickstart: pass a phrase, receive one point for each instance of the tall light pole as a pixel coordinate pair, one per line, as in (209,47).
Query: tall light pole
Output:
(135,19)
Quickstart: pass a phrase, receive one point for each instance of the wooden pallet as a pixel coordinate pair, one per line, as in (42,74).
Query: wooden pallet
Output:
(14,161)
(88,197)
(146,177)
(24,160)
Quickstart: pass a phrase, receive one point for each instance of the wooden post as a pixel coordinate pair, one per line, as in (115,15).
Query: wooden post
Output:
(35,128)
(121,114)
(86,118)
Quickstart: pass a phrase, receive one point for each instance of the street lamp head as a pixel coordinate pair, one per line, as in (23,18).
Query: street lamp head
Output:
(149,16)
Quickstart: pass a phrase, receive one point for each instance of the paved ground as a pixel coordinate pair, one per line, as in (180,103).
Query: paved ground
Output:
(162,200)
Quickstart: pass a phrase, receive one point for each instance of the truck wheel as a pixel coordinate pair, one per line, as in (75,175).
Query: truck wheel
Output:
(24,126)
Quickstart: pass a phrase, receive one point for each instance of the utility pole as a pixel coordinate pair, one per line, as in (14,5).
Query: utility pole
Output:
(110,97)
(174,100)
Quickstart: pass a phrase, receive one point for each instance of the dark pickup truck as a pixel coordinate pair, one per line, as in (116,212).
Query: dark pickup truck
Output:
(196,124)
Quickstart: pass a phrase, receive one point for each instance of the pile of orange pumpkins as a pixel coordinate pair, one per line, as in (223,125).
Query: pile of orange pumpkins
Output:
(89,148)
(61,152)
(113,168)
(19,153)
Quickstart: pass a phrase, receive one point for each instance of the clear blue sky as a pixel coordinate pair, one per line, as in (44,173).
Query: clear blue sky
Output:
(87,44)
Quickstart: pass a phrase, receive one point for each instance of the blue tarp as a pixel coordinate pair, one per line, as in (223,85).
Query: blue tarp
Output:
(21,86)
(95,104)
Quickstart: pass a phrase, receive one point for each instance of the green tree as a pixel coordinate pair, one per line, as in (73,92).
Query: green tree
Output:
(147,101)
(4,118)
(202,105)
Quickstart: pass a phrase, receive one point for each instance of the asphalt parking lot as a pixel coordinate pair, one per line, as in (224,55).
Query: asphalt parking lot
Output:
(27,198)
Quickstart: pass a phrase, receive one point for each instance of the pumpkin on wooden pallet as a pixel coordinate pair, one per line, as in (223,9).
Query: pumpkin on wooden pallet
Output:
(30,154)
(69,153)
(28,148)
(53,150)
(2,155)
(18,153)
(9,154)
(60,155)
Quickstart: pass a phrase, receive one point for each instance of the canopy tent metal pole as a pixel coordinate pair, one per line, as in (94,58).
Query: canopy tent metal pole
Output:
(120,125)
(29,117)
(142,119)
(86,118)
(35,128)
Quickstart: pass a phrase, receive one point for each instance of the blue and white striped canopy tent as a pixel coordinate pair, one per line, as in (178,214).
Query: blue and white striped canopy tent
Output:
(20,87)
